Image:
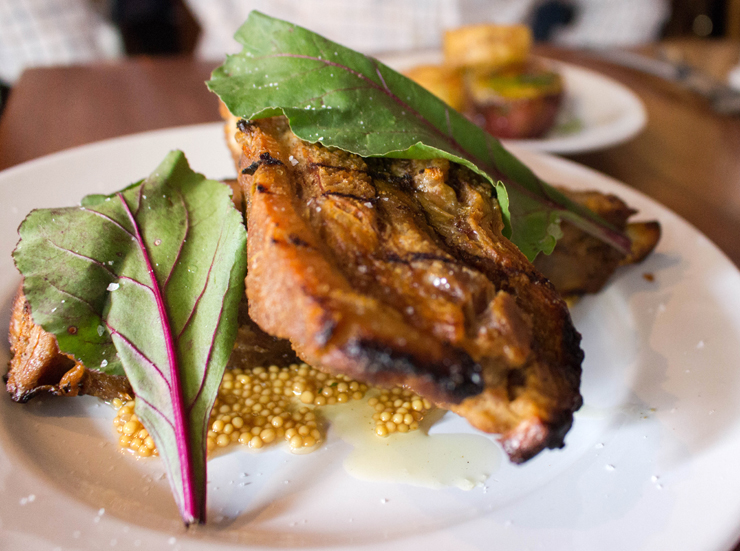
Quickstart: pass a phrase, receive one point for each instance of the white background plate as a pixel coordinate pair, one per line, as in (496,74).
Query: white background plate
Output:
(651,461)
(597,111)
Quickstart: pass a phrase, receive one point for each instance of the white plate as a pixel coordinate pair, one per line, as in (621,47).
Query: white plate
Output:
(651,461)
(597,111)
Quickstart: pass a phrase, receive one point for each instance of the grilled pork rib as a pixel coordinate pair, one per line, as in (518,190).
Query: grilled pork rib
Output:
(581,263)
(37,366)
(396,272)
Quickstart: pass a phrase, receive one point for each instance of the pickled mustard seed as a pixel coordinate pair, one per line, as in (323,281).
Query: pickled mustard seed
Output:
(398,410)
(258,407)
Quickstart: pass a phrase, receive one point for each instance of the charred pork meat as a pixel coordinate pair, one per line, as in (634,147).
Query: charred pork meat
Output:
(37,366)
(581,263)
(395,272)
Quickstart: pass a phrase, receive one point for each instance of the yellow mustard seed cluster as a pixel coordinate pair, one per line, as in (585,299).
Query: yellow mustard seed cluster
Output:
(134,436)
(398,410)
(260,406)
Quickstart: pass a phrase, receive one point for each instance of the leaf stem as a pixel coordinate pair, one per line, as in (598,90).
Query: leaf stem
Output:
(191,511)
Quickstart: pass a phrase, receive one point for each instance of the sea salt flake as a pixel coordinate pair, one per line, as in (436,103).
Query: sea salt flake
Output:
(700,345)
(112,286)
(103,363)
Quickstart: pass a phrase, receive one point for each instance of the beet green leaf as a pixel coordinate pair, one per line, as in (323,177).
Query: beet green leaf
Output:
(341,98)
(147,281)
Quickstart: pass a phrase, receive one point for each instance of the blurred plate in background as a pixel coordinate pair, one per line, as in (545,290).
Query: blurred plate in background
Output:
(597,111)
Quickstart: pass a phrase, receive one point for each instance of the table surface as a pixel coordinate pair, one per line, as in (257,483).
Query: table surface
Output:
(687,158)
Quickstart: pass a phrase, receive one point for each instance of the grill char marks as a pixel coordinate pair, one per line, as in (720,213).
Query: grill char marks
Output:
(312,293)
(395,272)
(548,383)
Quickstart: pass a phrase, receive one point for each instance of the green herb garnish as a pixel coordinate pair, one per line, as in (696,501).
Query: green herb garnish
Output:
(147,281)
(341,98)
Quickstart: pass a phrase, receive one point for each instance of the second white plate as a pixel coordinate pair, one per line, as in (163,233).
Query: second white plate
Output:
(597,112)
